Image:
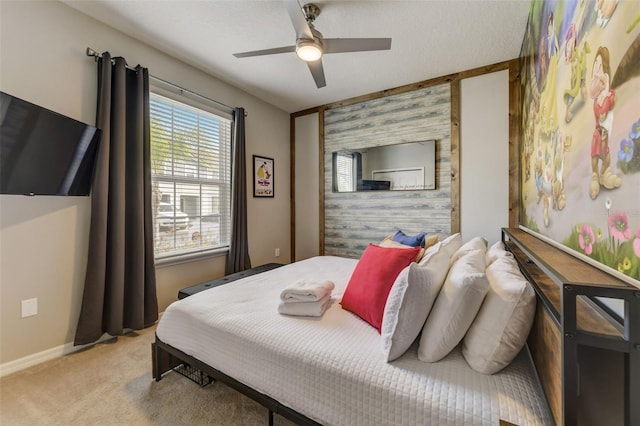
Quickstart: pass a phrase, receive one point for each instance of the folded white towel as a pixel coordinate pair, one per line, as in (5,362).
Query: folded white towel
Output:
(305,309)
(307,291)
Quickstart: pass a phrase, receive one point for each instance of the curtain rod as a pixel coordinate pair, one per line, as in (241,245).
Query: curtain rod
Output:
(91,52)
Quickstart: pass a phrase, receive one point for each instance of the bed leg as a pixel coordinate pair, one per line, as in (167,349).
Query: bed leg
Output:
(155,367)
(162,361)
(270,418)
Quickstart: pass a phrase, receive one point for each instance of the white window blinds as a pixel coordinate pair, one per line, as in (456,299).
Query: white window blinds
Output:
(191,177)
(345,172)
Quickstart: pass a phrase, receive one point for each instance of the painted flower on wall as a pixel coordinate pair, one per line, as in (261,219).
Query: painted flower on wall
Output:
(619,226)
(626,150)
(586,239)
(619,249)
(629,153)
(635,130)
(625,265)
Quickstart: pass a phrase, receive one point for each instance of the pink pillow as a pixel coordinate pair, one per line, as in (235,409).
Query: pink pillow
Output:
(371,281)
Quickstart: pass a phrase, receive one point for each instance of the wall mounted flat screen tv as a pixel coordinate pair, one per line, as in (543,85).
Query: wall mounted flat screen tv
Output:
(43,152)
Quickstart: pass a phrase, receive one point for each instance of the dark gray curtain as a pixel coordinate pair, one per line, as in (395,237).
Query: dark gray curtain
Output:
(120,282)
(238,259)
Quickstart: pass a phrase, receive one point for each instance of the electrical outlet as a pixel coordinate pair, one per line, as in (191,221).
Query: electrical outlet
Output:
(29,307)
(277,252)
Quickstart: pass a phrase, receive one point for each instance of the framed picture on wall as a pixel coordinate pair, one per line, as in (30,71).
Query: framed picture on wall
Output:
(263,169)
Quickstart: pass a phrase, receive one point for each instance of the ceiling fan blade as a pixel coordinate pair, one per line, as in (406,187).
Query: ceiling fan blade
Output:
(298,20)
(275,50)
(317,72)
(340,45)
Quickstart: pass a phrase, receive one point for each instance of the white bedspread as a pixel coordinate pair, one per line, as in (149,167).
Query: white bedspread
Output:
(331,369)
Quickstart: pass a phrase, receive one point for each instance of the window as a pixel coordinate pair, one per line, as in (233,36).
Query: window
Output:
(191,177)
(345,172)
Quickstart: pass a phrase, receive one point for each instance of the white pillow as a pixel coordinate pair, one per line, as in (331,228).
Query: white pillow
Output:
(503,323)
(496,251)
(410,301)
(455,308)
(428,253)
(450,245)
(476,243)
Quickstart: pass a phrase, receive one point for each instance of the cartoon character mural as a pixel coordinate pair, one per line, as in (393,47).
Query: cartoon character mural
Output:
(604,99)
(584,168)
(560,145)
(549,58)
(576,56)
(605,9)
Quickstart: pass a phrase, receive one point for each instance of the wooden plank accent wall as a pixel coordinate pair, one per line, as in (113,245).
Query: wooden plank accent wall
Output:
(321,180)
(353,220)
(455,157)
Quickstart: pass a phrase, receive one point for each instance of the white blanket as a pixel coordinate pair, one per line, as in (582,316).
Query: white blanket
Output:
(332,369)
(305,309)
(307,291)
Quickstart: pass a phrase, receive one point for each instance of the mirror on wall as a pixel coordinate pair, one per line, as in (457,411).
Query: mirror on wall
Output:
(407,166)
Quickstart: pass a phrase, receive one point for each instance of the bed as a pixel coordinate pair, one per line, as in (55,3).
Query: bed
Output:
(330,370)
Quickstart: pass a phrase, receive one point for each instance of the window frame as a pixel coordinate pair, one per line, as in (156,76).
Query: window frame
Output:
(199,102)
(349,175)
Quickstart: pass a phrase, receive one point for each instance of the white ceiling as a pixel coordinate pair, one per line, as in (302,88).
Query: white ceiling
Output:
(430,39)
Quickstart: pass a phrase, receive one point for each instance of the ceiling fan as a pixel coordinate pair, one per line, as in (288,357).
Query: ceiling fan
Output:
(310,45)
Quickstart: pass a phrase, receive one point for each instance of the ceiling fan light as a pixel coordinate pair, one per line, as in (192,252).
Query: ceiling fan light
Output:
(308,50)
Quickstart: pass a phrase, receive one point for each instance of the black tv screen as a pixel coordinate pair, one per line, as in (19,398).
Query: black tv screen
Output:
(374,185)
(43,152)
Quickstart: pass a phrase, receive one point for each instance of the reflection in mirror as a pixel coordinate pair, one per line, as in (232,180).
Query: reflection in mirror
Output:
(408,166)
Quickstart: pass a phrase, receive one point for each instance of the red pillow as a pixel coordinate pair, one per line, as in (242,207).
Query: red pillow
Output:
(371,281)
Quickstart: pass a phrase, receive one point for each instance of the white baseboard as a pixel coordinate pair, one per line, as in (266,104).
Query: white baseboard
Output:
(47,355)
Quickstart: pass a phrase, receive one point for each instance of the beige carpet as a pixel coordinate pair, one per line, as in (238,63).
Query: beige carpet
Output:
(111,384)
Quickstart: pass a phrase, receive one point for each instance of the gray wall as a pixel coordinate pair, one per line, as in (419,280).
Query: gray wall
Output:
(353,220)
(43,240)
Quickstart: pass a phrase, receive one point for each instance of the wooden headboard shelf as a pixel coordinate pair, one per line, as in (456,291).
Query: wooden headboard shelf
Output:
(591,317)
(569,317)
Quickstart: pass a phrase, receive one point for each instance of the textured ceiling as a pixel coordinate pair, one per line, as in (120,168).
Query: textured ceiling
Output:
(430,39)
